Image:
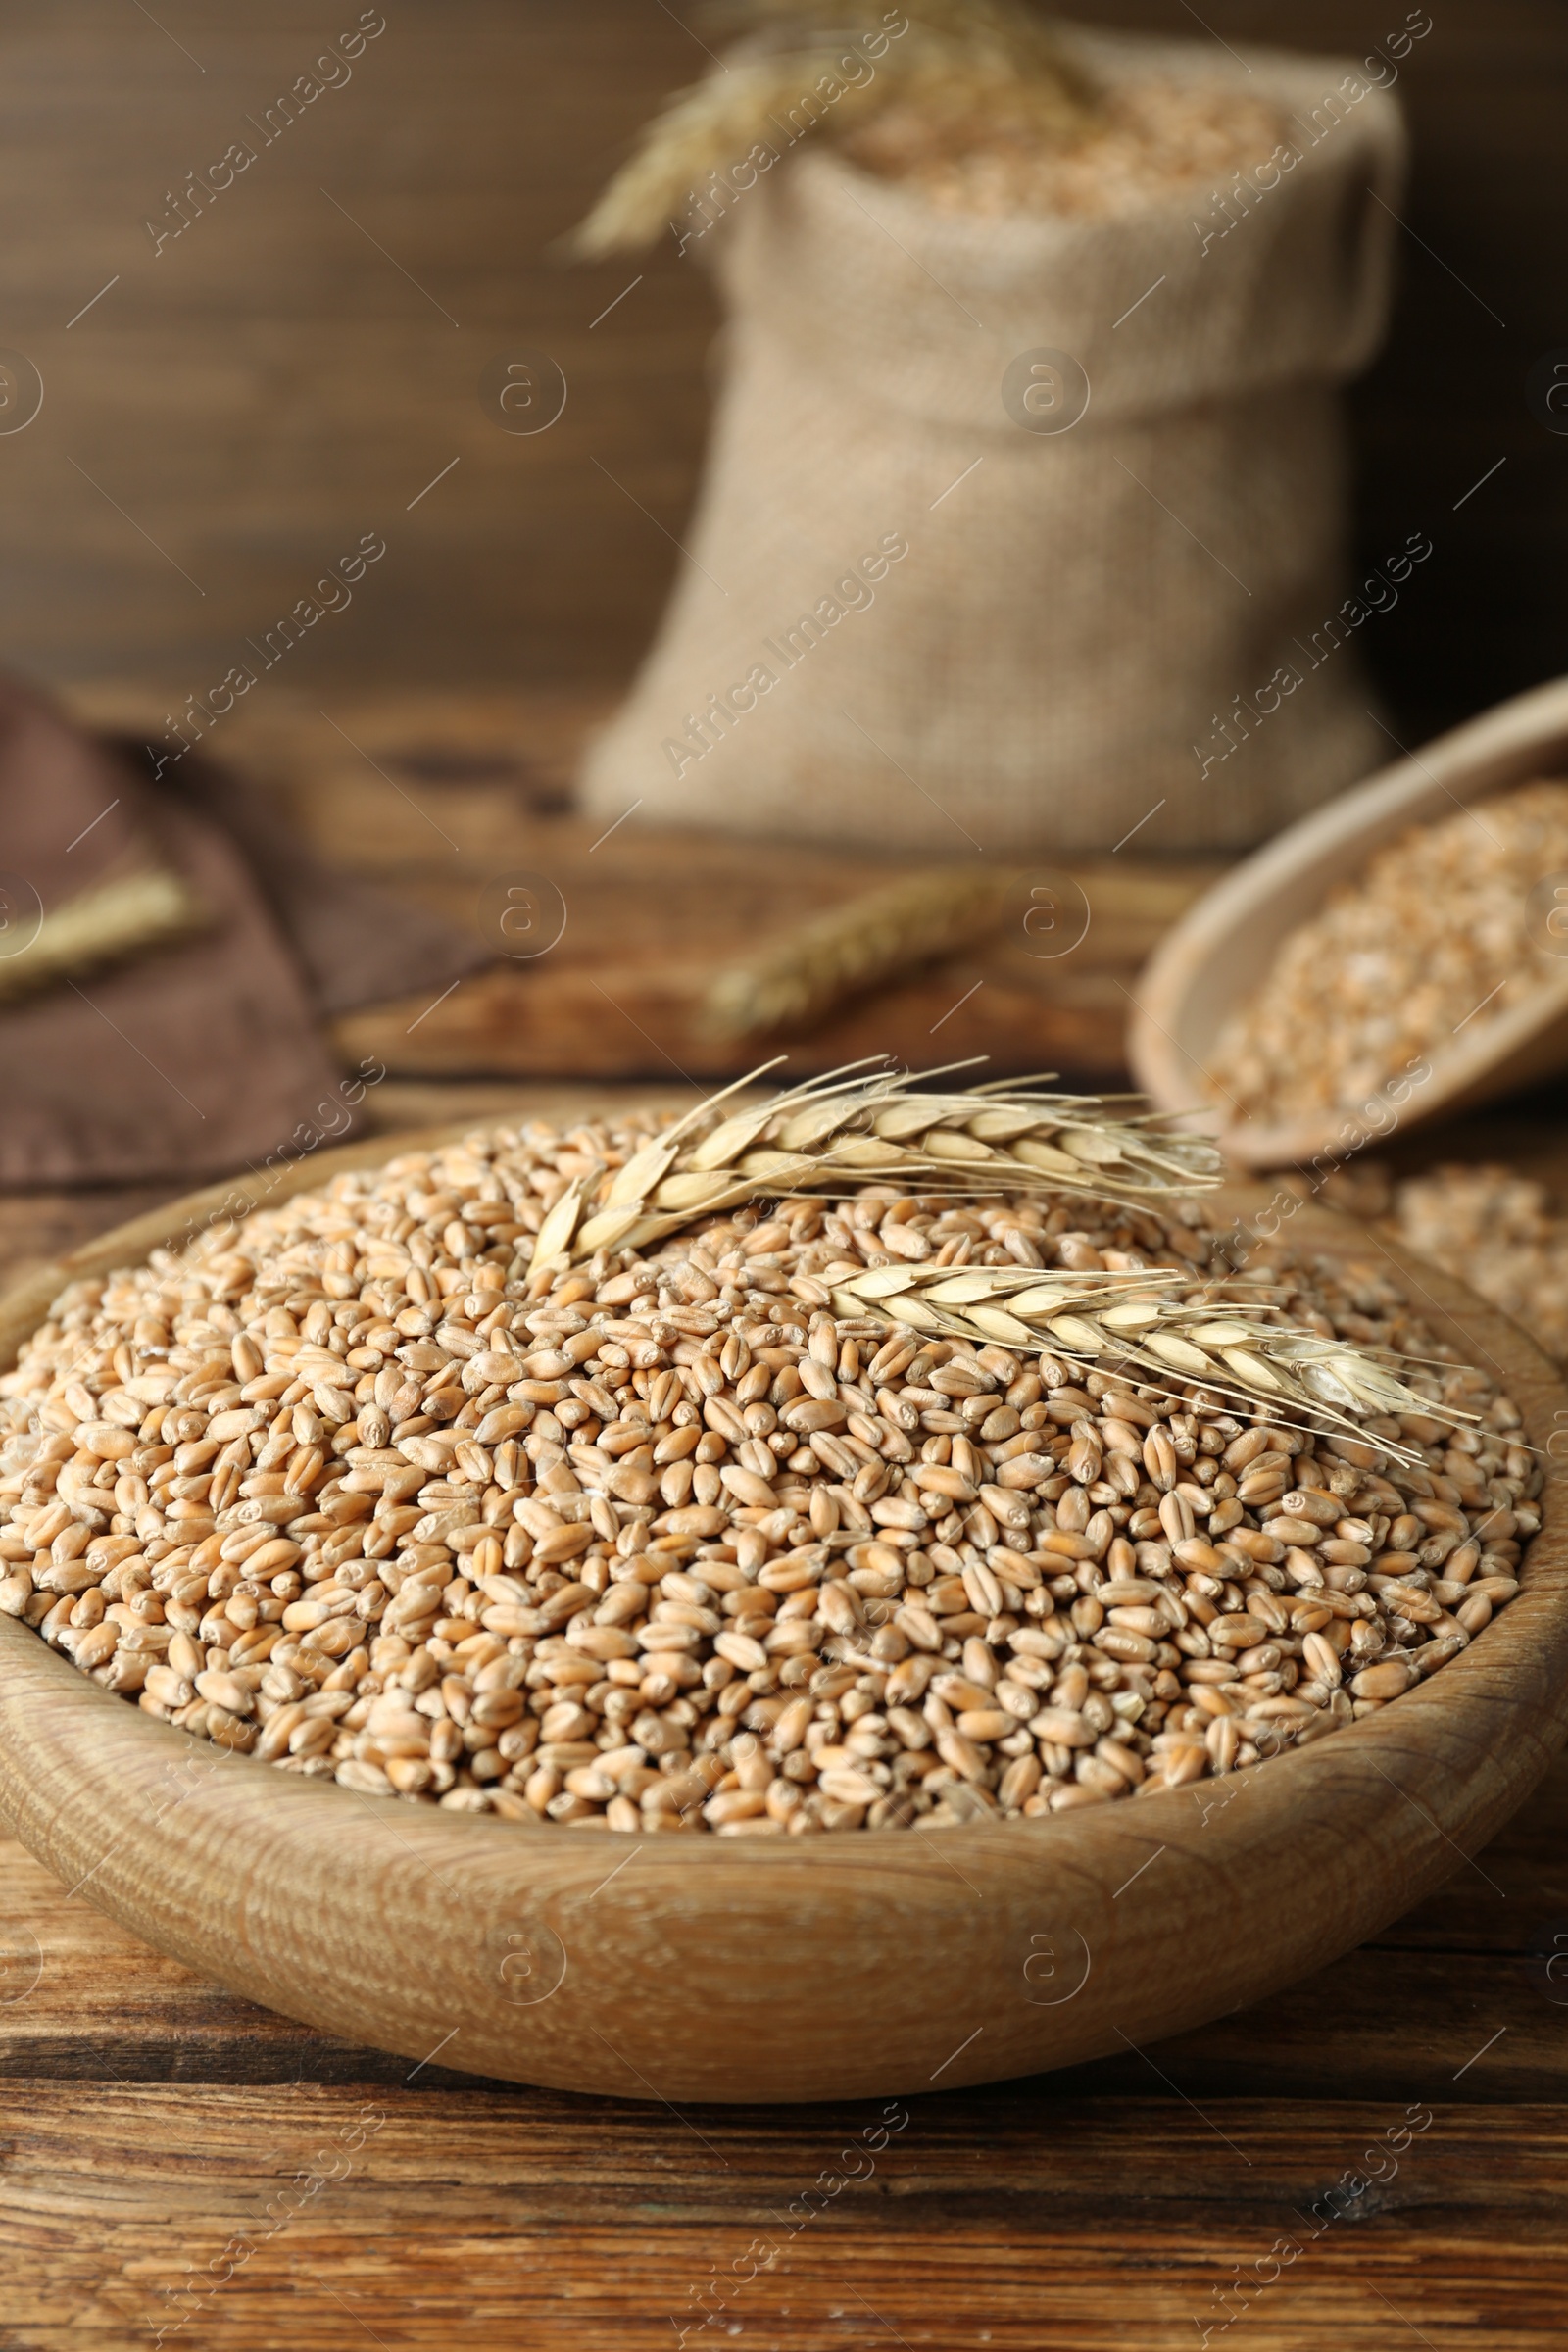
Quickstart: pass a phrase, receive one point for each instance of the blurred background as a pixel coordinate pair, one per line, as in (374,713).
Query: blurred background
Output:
(293,370)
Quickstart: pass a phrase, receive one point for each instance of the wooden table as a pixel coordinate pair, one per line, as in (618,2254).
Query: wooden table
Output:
(149,2122)
(445,799)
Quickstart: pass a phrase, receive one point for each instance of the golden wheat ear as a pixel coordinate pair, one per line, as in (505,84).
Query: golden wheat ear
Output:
(873,938)
(1153,1324)
(872,1125)
(948,51)
(128,914)
(708,129)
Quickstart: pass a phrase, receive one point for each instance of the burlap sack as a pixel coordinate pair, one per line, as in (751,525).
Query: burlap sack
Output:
(920,604)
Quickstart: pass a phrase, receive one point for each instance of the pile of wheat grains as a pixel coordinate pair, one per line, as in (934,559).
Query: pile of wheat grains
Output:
(1150,139)
(1501,1233)
(1436,937)
(663,1544)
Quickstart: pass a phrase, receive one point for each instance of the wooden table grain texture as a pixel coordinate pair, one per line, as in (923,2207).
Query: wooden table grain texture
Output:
(177,2166)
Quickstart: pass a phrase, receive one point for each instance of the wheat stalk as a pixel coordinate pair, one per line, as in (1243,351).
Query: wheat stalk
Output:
(855,1127)
(1156,1321)
(868,938)
(953,55)
(710,127)
(128,915)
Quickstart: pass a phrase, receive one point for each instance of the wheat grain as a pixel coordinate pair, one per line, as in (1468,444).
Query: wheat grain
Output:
(1413,957)
(712,126)
(961,153)
(669,1543)
(1499,1231)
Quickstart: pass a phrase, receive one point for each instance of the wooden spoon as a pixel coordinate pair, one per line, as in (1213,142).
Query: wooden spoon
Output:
(1222,948)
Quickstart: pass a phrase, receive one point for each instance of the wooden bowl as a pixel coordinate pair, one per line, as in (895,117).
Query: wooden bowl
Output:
(867,1964)
(1220,952)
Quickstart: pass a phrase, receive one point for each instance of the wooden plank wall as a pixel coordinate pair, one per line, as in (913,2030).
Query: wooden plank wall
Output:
(265,387)
(241,404)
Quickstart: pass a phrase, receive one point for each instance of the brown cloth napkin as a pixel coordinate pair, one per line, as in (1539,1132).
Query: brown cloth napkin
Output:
(201,1054)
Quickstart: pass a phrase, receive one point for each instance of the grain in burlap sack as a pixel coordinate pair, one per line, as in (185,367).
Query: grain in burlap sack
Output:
(903,618)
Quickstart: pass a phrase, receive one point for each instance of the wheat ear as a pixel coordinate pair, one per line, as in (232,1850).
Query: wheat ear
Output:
(870,938)
(128,915)
(951,53)
(710,127)
(1156,1321)
(861,1126)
